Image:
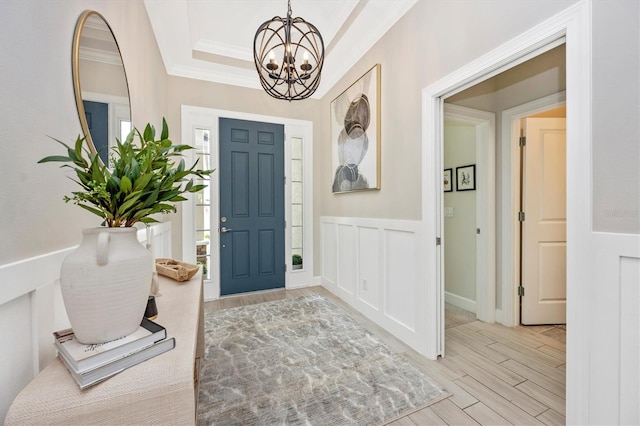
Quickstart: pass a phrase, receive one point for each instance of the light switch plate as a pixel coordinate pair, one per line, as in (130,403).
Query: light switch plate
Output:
(448,212)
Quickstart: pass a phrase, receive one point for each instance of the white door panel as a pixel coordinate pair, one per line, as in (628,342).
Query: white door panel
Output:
(545,227)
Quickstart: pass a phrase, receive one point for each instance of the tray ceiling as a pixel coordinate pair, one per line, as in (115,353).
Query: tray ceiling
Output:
(213,40)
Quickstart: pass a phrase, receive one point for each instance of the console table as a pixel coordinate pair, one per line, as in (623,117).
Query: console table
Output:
(162,390)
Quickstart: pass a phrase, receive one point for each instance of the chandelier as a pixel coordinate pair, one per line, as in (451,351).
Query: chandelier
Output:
(288,53)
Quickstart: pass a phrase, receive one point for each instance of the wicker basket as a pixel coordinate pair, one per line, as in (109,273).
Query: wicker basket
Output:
(174,269)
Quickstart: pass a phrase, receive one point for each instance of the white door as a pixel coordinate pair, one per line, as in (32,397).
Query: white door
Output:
(544,230)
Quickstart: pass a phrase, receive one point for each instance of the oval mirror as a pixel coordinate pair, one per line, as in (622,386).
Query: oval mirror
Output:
(100,84)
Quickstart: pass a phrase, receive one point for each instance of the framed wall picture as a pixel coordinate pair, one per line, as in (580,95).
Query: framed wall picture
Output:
(446,180)
(466,178)
(355,135)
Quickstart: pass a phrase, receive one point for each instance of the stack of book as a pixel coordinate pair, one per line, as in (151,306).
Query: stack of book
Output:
(91,364)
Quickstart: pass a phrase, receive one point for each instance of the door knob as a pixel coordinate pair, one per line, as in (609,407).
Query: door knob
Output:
(224,229)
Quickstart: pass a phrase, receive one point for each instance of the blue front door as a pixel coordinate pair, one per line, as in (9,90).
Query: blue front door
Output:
(97,114)
(251,206)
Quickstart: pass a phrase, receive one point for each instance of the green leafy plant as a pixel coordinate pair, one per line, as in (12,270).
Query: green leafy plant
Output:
(296,259)
(142,179)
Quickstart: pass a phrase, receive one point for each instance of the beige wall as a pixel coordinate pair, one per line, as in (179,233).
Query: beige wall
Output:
(435,38)
(38,100)
(460,230)
(616,116)
(432,40)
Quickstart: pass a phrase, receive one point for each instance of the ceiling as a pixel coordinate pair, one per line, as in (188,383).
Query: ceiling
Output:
(212,40)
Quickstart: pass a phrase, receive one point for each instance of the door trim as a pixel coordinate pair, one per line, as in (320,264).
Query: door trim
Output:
(201,117)
(509,315)
(118,110)
(573,25)
(484,123)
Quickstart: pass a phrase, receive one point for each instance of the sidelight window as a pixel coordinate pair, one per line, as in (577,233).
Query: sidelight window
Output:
(297,199)
(202,147)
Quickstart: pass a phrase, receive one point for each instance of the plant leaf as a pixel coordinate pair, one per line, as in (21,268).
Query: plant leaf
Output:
(153,197)
(127,205)
(142,181)
(165,130)
(141,213)
(149,133)
(148,220)
(54,158)
(125,185)
(93,210)
(177,199)
(197,188)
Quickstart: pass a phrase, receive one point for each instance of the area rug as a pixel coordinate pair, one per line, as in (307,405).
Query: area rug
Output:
(303,361)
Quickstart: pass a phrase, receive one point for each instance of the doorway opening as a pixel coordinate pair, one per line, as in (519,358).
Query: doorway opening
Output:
(493,188)
(298,197)
(469,211)
(543,220)
(550,106)
(573,27)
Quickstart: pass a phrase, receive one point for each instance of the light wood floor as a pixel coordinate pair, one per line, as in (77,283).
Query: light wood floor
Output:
(496,375)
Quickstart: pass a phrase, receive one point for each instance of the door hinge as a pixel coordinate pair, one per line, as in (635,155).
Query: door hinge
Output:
(521,216)
(438,241)
(284,180)
(522,141)
(520,290)
(285,224)
(285,267)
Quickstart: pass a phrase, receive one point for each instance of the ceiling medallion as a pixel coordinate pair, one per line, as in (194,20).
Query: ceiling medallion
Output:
(288,53)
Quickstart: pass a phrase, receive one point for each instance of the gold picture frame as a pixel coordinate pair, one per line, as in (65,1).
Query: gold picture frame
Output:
(355,135)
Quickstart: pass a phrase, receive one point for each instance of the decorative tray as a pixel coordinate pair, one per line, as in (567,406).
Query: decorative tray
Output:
(175,269)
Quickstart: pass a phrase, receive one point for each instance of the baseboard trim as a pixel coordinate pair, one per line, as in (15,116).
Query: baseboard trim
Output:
(460,302)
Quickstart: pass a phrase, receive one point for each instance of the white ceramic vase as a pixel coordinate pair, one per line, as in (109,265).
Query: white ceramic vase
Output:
(105,284)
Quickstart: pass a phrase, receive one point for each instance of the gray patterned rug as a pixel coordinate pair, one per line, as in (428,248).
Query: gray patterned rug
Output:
(303,362)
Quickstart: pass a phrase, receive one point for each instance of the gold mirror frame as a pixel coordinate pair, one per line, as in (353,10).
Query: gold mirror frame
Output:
(77,58)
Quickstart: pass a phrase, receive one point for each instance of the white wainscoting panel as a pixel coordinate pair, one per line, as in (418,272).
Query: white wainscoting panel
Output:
(29,313)
(614,330)
(347,265)
(373,265)
(16,365)
(31,309)
(370,266)
(329,253)
(629,340)
(400,278)
(159,236)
